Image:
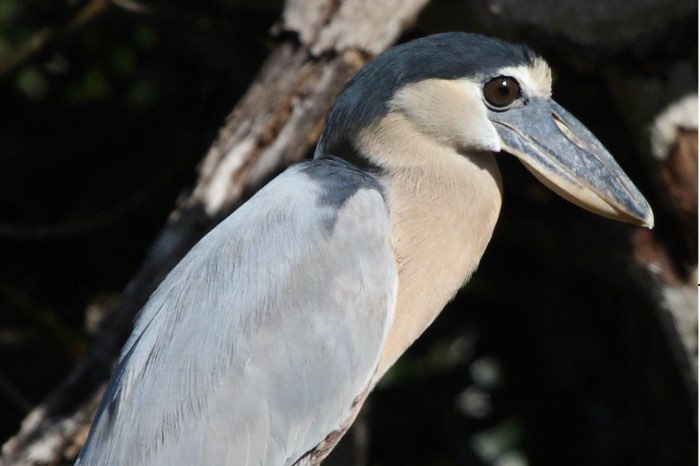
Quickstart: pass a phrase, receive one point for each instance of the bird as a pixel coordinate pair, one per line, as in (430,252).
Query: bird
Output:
(261,345)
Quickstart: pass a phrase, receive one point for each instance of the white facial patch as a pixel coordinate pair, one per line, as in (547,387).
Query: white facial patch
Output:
(451,112)
(535,79)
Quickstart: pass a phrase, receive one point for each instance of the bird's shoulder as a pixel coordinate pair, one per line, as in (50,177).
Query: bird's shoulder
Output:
(255,346)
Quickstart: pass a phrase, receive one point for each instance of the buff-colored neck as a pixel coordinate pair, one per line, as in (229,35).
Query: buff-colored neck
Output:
(443,208)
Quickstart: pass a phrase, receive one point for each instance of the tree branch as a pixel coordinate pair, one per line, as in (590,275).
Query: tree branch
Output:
(276,123)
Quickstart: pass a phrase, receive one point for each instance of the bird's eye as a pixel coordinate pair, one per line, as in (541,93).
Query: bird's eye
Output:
(502,91)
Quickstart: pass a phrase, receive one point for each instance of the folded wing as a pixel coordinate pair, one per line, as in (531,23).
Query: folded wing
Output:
(254,347)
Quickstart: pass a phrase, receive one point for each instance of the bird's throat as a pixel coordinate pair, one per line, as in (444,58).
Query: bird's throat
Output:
(443,208)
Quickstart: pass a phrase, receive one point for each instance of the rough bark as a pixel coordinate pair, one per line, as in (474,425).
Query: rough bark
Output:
(320,43)
(277,122)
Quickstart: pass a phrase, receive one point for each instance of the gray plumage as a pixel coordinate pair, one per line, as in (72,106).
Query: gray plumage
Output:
(218,368)
(453,55)
(261,345)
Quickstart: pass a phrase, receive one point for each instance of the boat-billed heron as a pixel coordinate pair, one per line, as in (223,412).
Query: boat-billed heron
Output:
(261,345)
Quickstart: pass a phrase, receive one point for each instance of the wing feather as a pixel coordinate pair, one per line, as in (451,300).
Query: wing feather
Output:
(253,348)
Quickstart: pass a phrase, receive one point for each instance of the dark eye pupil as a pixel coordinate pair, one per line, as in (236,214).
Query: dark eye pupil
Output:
(502,91)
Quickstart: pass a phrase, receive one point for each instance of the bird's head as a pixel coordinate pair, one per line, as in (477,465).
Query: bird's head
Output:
(474,94)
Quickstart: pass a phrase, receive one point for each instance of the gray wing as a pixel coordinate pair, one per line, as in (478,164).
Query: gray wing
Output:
(253,348)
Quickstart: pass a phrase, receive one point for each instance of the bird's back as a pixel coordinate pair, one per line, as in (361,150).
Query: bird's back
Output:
(255,346)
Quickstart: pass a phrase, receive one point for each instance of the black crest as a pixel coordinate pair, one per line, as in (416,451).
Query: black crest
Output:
(450,55)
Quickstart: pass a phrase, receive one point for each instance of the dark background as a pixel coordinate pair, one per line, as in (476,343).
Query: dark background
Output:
(554,354)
